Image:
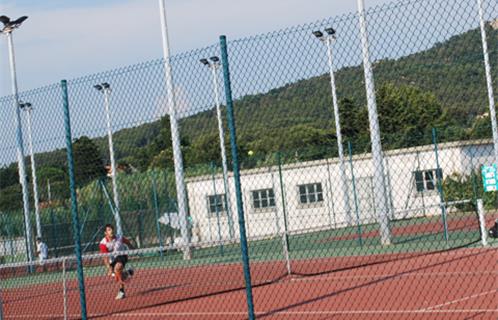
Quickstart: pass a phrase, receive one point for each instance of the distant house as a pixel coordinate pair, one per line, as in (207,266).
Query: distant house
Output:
(312,199)
(121,168)
(494,24)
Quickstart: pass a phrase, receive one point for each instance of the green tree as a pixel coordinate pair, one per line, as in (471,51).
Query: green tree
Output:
(87,161)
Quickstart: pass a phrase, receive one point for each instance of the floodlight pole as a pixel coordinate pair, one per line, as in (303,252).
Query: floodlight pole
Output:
(23,179)
(489,80)
(342,168)
(114,177)
(175,136)
(214,68)
(380,198)
(29,111)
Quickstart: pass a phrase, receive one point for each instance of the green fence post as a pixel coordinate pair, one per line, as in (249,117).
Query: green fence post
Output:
(54,233)
(440,186)
(156,211)
(355,196)
(74,199)
(284,209)
(213,172)
(236,177)
(168,205)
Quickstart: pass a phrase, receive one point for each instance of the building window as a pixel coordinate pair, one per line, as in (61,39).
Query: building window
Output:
(262,199)
(216,204)
(310,193)
(426,180)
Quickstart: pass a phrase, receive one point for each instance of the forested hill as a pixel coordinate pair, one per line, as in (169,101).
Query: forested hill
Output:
(442,87)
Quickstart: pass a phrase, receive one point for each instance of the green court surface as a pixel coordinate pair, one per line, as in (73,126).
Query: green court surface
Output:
(306,246)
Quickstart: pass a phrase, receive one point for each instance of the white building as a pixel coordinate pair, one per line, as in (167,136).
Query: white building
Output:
(310,195)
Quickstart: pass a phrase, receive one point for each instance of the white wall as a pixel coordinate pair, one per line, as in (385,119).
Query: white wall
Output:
(403,199)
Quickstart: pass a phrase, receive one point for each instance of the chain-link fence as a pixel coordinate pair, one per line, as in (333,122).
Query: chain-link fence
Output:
(354,174)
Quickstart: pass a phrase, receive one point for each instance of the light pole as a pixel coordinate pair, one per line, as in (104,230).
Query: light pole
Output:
(328,38)
(489,79)
(105,89)
(28,108)
(181,193)
(214,64)
(380,198)
(9,27)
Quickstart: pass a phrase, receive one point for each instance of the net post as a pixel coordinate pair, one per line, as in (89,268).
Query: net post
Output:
(236,176)
(64,287)
(482,223)
(74,199)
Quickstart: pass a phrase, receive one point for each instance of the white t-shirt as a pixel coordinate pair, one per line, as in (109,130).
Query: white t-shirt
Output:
(42,248)
(113,245)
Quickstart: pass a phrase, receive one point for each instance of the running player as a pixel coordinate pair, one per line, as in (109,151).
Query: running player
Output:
(116,263)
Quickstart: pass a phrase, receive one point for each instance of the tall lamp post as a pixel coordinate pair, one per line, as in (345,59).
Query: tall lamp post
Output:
(328,38)
(28,108)
(8,27)
(214,64)
(380,199)
(105,89)
(181,193)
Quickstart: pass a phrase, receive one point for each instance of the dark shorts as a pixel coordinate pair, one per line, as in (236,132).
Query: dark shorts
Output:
(122,259)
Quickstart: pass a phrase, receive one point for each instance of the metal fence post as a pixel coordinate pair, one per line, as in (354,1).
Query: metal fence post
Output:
(217,211)
(358,221)
(236,176)
(156,211)
(74,199)
(439,177)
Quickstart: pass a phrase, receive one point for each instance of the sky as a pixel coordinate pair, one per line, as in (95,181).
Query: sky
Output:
(68,39)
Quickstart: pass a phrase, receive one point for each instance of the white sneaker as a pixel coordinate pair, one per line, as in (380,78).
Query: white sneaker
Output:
(121,295)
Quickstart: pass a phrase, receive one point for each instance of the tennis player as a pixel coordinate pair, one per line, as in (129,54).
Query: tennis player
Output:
(116,262)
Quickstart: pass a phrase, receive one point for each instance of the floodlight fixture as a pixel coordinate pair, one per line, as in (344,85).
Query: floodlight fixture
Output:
(103,87)
(25,105)
(318,34)
(10,25)
(204,62)
(215,59)
(330,31)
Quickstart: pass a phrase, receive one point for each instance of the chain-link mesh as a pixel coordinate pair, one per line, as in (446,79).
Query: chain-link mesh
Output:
(361,139)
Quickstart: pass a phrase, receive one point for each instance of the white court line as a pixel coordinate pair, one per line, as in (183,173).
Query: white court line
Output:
(401,274)
(304,313)
(461,299)
(244,313)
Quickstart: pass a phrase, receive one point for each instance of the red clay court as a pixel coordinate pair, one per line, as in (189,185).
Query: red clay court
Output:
(458,284)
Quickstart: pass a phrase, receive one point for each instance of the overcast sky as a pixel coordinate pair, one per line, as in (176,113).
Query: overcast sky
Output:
(65,39)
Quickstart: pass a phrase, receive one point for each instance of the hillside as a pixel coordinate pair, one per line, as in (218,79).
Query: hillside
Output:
(442,87)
